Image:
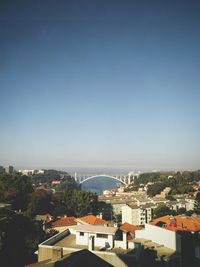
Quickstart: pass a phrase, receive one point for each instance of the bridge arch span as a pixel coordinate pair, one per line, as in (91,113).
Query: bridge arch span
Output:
(103,175)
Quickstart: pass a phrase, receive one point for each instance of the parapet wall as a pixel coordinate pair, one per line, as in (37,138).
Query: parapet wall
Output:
(169,239)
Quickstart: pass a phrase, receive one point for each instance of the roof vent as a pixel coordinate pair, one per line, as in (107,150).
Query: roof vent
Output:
(172,221)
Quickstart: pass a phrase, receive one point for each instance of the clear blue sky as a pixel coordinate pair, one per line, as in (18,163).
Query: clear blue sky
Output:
(100,83)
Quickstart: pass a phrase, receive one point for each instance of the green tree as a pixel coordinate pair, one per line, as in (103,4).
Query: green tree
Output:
(40,203)
(23,187)
(49,175)
(19,238)
(15,189)
(162,210)
(74,203)
(84,202)
(155,189)
(68,184)
(182,211)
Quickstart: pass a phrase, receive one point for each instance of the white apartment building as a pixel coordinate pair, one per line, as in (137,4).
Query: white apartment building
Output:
(9,169)
(31,172)
(137,215)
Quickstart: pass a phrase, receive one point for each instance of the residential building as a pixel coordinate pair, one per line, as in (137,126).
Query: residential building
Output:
(31,172)
(99,236)
(129,229)
(116,207)
(164,193)
(160,236)
(26,172)
(100,240)
(103,242)
(115,203)
(9,169)
(176,205)
(191,203)
(137,215)
(188,228)
(159,201)
(167,244)
(186,202)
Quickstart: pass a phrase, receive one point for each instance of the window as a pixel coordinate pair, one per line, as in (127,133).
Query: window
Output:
(102,236)
(81,234)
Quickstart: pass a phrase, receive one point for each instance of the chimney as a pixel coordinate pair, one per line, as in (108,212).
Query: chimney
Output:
(173,221)
(57,253)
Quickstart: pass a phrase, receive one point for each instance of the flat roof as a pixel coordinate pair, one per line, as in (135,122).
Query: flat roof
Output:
(161,249)
(96,229)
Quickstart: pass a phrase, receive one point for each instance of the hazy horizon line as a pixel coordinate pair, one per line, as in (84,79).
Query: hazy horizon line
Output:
(101,167)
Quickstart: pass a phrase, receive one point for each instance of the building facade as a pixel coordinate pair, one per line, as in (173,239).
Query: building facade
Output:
(137,215)
(9,169)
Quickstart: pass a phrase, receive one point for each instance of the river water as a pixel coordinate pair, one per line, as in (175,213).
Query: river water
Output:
(99,184)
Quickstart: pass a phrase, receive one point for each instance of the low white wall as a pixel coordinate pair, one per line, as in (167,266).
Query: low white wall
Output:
(161,236)
(120,244)
(131,245)
(101,242)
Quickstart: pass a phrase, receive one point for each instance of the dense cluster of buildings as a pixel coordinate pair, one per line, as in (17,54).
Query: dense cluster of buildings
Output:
(138,208)
(31,172)
(168,241)
(135,240)
(10,169)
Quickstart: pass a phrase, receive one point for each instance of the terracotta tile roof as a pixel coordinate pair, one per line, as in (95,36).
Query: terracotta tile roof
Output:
(63,221)
(126,227)
(100,229)
(179,222)
(91,219)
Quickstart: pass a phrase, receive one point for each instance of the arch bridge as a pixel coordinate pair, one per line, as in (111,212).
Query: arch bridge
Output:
(122,178)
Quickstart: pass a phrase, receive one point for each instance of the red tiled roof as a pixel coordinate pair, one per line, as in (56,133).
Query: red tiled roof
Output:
(179,223)
(126,227)
(91,219)
(63,221)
